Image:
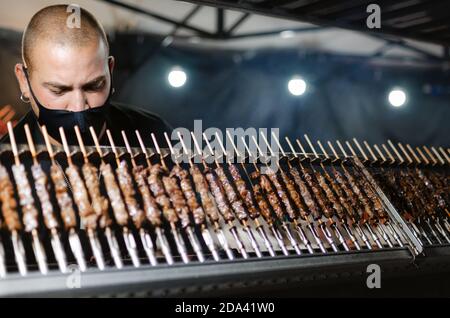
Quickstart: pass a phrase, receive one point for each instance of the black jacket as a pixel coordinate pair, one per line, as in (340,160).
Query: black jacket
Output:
(119,117)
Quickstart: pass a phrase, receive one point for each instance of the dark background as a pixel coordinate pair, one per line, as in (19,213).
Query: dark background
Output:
(346,95)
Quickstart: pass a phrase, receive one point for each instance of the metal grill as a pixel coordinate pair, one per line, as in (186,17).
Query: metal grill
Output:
(110,209)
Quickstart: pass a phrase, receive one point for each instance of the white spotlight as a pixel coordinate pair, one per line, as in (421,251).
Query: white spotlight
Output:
(177,77)
(297,86)
(397,97)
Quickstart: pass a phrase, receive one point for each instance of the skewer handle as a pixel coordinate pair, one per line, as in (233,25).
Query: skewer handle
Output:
(361,150)
(430,155)
(405,153)
(156,144)
(385,148)
(30,141)
(141,143)
(65,145)
(47,143)
(127,146)
(341,148)
(323,149)
(413,153)
(13,143)
(81,143)
(380,152)
(395,151)
(311,145)
(97,144)
(333,150)
(366,144)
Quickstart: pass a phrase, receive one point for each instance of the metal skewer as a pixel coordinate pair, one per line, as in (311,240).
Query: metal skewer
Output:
(269,221)
(311,228)
(93,239)
(246,226)
(74,240)
(146,239)
(332,222)
(366,224)
(46,204)
(344,222)
(434,217)
(28,203)
(109,233)
(188,229)
(427,162)
(354,216)
(378,225)
(410,223)
(232,227)
(322,226)
(326,233)
(427,219)
(285,226)
(127,235)
(361,220)
(413,227)
(203,228)
(387,222)
(19,253)
(158,230)
(130,241)
(419,228)
(217,229)
(300,230)
(391,228)
(259,226)
(12,221)
(177,236)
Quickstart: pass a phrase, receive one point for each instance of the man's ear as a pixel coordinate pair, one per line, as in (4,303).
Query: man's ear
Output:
(111,63)
(22,80)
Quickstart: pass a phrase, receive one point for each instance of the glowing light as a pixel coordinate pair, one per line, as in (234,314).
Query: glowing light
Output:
(397,97)
(297,86)
(177,77)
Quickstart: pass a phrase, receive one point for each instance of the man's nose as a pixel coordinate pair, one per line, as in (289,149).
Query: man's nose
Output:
(79,102)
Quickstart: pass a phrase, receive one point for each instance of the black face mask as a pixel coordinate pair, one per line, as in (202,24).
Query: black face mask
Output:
(53,119)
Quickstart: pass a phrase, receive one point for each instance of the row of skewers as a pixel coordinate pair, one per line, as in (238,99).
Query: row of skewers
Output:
(418,185)
(169,211)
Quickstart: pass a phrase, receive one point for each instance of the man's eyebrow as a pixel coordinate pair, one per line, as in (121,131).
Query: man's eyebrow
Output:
(95,81)
(57,85)
(66,87)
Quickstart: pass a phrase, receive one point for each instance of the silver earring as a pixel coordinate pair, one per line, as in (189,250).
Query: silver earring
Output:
(24,99)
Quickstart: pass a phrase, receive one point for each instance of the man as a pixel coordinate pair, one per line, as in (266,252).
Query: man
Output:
(66,76)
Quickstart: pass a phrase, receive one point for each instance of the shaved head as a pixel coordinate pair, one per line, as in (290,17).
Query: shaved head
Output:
(66,52)
(51,25)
